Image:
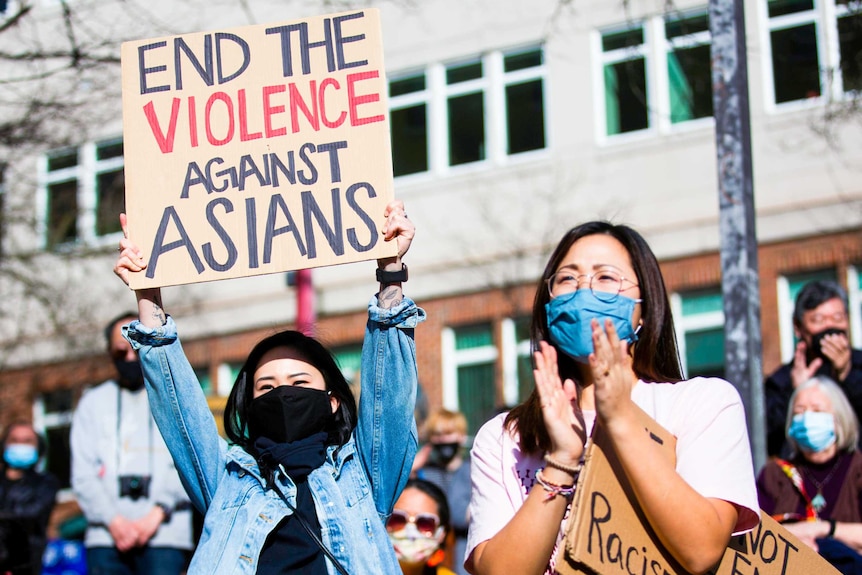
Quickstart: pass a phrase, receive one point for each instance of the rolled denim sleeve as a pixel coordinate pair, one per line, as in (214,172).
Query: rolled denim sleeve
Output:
(386,432)
(180,409)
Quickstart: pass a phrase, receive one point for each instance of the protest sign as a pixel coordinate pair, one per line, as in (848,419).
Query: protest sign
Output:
(607,532)
(257,149)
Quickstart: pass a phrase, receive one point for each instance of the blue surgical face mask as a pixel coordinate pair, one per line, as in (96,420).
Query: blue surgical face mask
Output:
(813,431)
(569,318)
(20,455)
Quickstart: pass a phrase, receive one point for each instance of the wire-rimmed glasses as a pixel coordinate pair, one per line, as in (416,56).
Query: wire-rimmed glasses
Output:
(606,283)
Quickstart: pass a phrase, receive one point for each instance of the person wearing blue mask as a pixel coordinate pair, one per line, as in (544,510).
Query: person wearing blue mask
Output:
(26,500)
(603,341)
(817,493)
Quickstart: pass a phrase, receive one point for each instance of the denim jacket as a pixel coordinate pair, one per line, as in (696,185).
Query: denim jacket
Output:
(354,490)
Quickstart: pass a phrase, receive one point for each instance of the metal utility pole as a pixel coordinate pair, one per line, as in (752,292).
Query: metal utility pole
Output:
(739,284)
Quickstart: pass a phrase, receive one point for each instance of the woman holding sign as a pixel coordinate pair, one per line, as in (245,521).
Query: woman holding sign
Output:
(308,480)
(604,346)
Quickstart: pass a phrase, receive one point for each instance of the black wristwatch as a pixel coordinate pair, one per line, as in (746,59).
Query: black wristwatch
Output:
(167,510)
(386,277)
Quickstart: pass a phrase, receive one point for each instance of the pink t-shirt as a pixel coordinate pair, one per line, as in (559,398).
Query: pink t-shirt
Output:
(712,455)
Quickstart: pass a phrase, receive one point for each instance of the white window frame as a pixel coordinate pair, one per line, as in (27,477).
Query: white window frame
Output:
(854,302)
(455,358)
(43,421)
(510,351)
(786,304)
(492,85)
(654,50)
(691,323)
(824,16)
(85,173)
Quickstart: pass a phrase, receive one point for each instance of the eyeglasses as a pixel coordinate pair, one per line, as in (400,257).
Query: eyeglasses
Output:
(821,318)
(426,523)
(606,284)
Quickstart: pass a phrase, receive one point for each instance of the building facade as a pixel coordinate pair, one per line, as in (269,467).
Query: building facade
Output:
(511,122)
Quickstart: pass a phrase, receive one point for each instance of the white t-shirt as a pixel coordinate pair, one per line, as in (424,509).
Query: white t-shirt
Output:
(712,455)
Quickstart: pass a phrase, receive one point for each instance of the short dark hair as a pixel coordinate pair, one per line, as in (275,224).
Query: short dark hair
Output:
(238,402)
(656,357)
(109,327)
(40,440)
(814,294)
(439,497)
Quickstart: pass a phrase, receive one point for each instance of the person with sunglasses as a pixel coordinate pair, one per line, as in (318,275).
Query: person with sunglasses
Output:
(419,527)
(308,479)
(604,343)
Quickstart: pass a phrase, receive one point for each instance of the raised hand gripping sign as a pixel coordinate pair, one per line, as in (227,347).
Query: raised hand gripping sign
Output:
(257,149)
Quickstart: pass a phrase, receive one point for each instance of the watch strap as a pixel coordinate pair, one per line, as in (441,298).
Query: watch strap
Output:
(386,277)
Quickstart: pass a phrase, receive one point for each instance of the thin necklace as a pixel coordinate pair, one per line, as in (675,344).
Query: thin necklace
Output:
(818,502)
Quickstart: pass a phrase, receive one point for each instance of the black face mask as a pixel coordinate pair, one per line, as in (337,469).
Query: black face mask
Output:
(130,375)
(443,453)
(289,413)
(814,350)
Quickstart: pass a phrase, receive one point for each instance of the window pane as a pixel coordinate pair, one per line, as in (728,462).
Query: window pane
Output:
(523,60)
(463,73)
(525,377)
(59,459)
(349,358)
(625,39)
(522,328)
(473,336)
(625,96)
(204,379)
(59,401)
(685,26)
(690,83)
(782,7)
(525,117)
(798,281)
(407,85)
(62,160)
(694,303)
(850,41)
(109,150)
(476,394)
(409,140)
(110,201)
(466,128)
(62,212)
(704,352)
(795,66)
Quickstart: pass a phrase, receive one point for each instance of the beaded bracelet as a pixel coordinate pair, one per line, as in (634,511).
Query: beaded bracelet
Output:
(552,489)
(574,470)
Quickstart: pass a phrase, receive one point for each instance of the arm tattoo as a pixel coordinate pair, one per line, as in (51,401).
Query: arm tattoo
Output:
(158,312)
(390,296)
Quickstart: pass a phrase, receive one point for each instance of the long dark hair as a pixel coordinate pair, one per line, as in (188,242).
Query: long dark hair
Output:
(655,354)
(237,408)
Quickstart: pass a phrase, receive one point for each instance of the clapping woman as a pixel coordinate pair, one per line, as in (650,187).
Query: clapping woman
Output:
(604,343)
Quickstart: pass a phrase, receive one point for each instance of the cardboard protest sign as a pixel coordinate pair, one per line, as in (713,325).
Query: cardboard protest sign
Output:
(257,149)
(607,532)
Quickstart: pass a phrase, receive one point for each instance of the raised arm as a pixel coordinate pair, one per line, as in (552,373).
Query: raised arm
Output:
(175,395)
(386,435)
